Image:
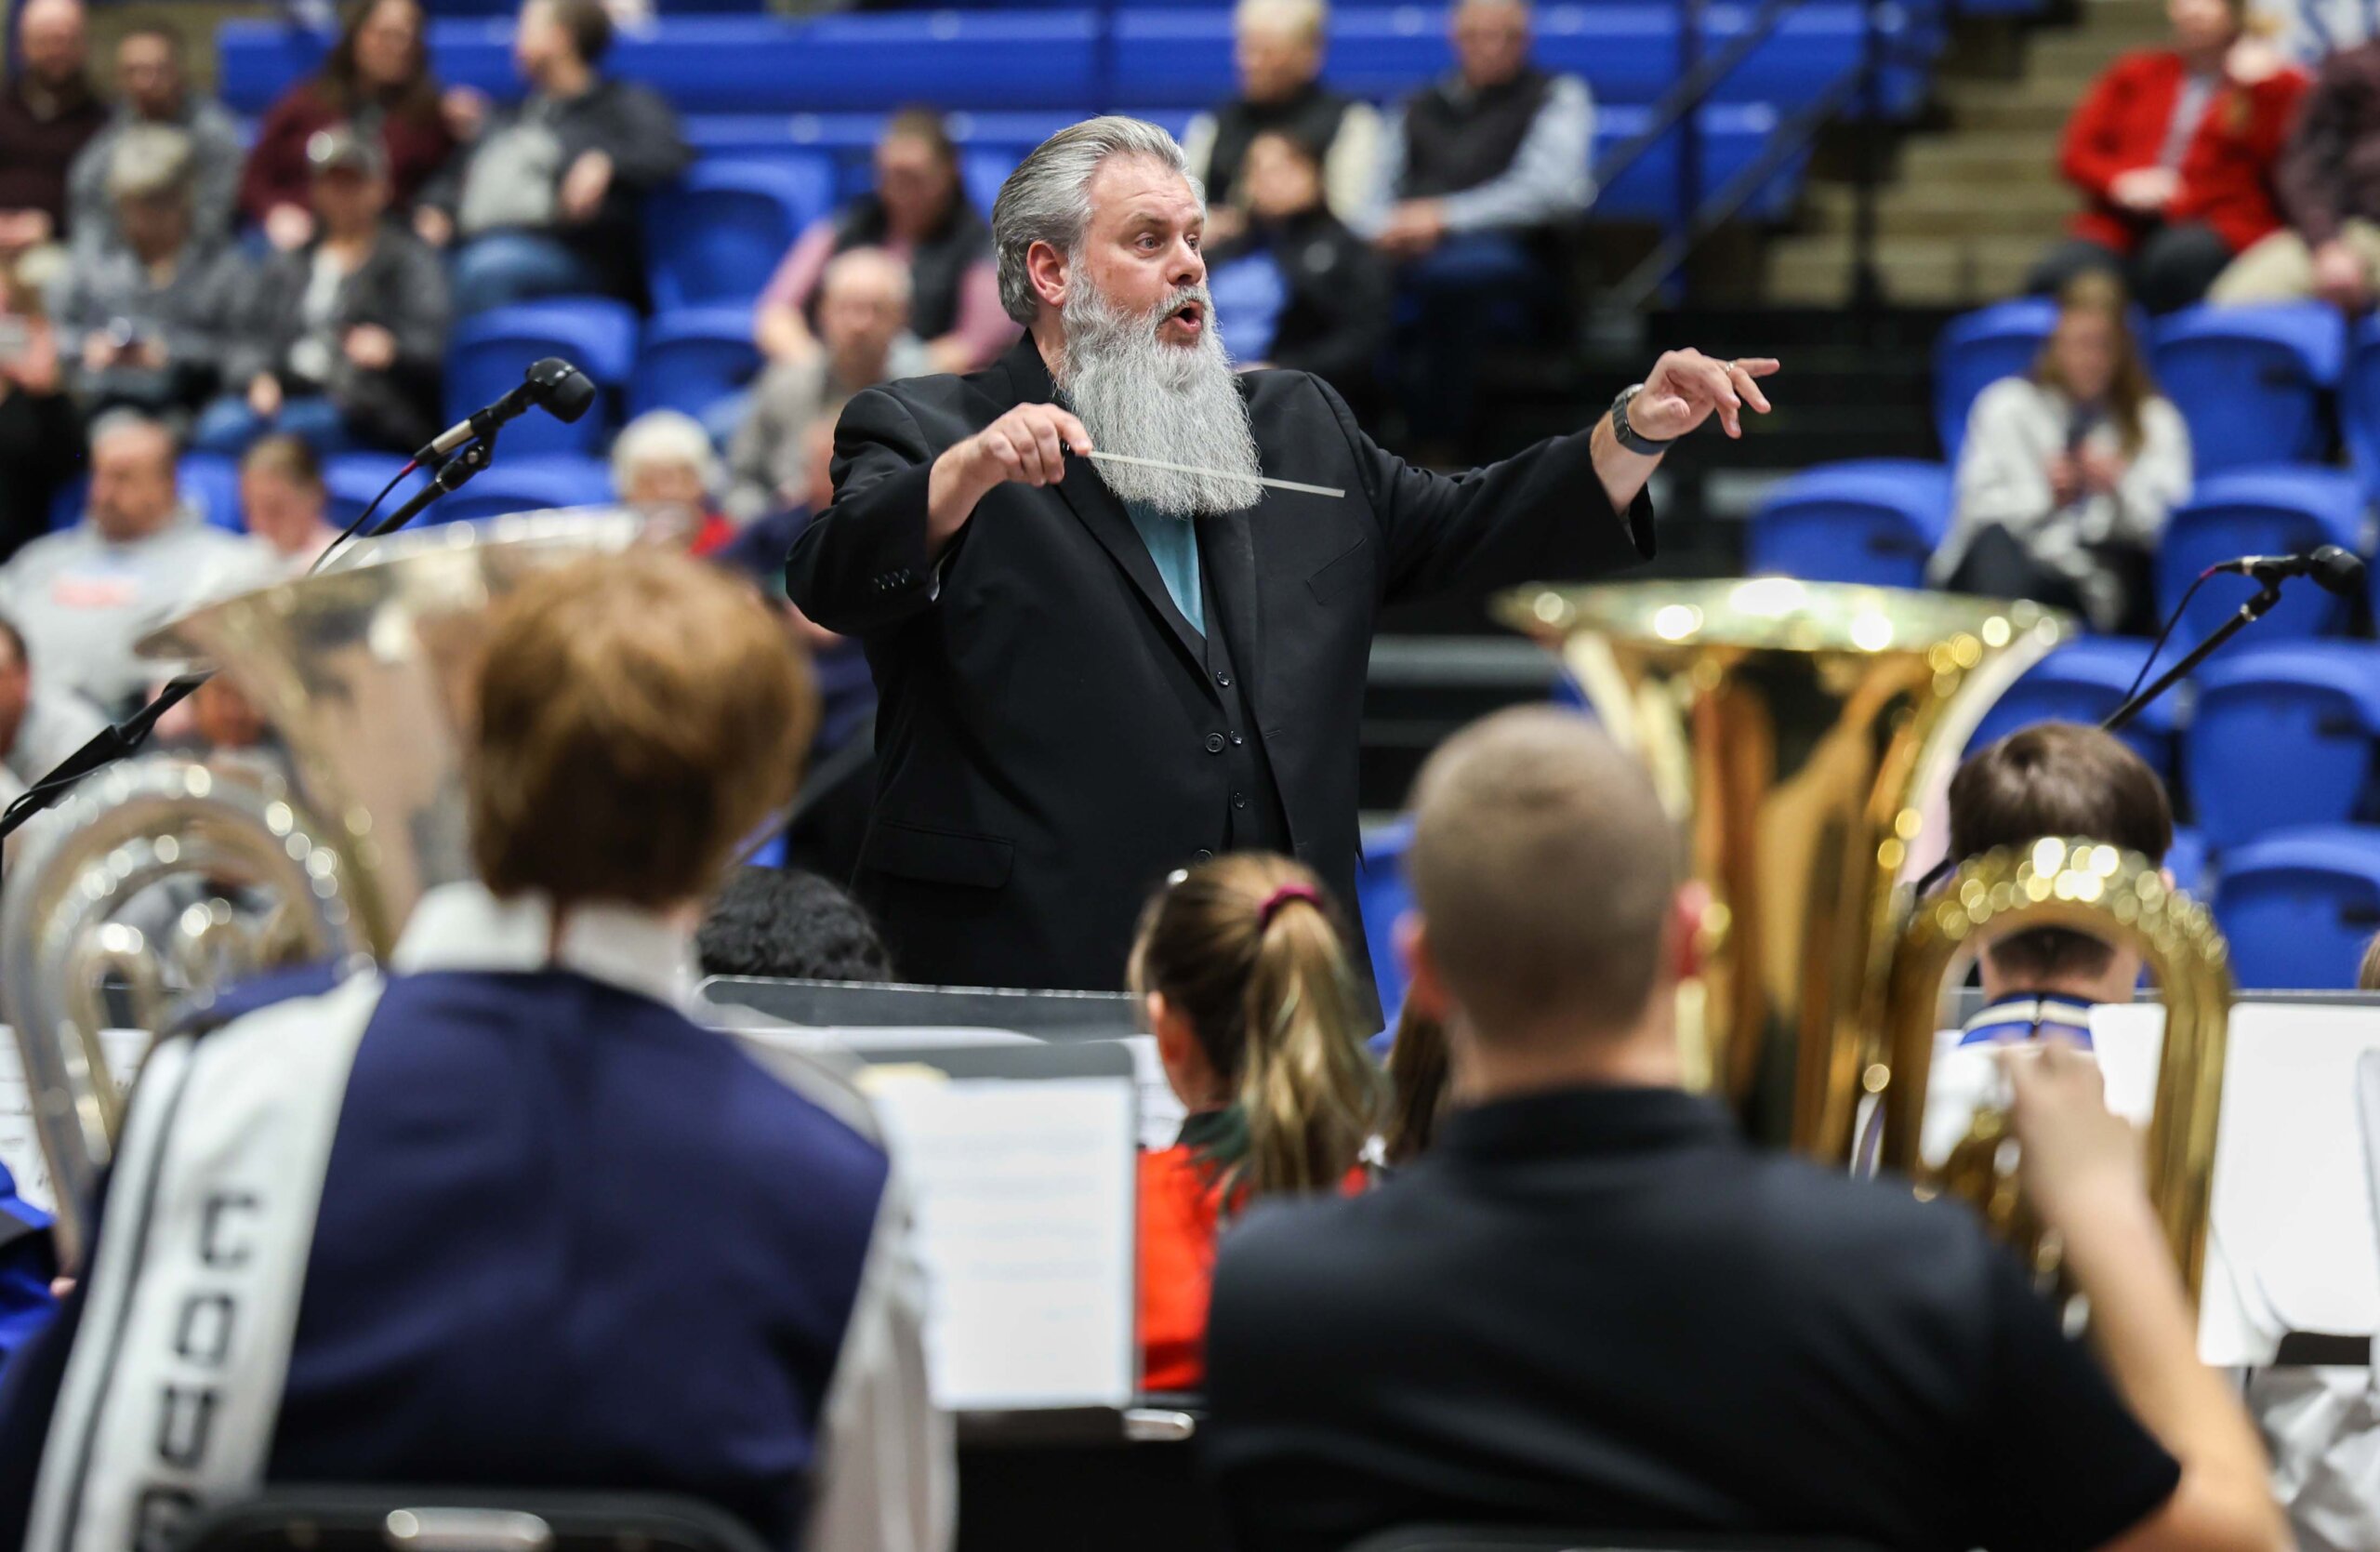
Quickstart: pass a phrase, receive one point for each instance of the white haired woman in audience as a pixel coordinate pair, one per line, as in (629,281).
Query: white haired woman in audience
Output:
(663,462)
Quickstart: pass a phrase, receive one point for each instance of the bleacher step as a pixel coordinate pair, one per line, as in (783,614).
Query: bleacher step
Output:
(1925,208)
(1941,272)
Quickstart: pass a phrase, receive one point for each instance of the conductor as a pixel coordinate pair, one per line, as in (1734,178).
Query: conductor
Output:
(1092,672)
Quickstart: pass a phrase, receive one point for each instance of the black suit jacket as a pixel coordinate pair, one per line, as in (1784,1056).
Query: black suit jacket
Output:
(1042,741)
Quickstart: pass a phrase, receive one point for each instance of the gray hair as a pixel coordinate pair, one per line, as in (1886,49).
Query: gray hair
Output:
(1047,199)
(663,436)
(150,161)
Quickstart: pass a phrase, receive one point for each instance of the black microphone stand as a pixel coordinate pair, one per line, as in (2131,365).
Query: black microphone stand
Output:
(2249,612)
(113,743)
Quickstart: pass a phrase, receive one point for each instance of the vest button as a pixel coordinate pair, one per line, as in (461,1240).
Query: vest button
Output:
(1214,743)
(1202,855)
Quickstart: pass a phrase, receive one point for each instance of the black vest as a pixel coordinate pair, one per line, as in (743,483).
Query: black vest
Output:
(1311,114)
(938,262)
(1458,138)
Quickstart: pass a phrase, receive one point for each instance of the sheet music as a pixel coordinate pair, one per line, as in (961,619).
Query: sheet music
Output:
(1026,1196)
(19,1145)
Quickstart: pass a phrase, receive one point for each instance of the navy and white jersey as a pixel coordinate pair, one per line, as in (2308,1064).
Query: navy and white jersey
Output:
(565,1239)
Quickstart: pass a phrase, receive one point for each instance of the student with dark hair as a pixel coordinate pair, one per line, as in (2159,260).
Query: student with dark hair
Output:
(1242,968)
(376,83)
(2060,780)
(546,199)
(1593,1304)
(1421,1085)
(791,925)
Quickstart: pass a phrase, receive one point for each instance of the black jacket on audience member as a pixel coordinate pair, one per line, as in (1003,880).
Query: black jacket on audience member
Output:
(1601,1310)
(1054,738)
(1457,136)
(1313,114)
(402,287)
(1334,323)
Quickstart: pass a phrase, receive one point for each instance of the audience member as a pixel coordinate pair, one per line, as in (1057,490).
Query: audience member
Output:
(1241,966)
(154,315)
(1683,1333)
(344,338)
(1335,289)
(284,502)
(40,437)
(1485,169)
(787,924)
(663,464)
(152,91)
(744,1342)
(1421,1086)
(2328,181)
(2067,475)
(922,216)
(41,722)
(831,819)
(546,200)
(84,596)
(2173,151)
(376,83)
(863,339)
(48,113)
(1277,47)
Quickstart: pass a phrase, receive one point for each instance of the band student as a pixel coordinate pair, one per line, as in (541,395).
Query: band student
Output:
(1094,672)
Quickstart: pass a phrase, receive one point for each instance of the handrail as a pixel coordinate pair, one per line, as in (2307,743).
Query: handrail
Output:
(1653,272)
(1690,91)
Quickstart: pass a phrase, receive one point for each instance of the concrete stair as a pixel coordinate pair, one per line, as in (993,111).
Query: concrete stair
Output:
(1970,204)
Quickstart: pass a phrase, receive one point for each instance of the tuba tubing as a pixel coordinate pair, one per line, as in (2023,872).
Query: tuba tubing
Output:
(2120,898)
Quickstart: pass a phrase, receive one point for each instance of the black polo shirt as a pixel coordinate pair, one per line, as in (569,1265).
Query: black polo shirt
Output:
(1602,1310)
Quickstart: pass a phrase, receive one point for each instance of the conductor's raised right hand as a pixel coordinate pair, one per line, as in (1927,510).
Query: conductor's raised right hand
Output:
(1028,445)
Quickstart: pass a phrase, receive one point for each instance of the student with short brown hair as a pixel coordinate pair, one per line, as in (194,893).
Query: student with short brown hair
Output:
(1243,969)
(505,1218)
(2054,779)
(1592,1305)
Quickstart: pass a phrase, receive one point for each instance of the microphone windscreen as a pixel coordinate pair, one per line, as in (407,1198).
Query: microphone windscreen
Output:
(565,391)
(2338,570)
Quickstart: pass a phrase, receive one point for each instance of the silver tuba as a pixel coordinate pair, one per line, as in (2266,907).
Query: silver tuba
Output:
(159,881)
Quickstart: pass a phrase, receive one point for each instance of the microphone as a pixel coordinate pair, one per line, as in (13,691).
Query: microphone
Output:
(2332,569)
(552,385)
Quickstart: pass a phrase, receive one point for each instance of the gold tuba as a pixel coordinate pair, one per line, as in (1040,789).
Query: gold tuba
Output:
(2116,897)
(361,670)
(1799,733)
(1794,731)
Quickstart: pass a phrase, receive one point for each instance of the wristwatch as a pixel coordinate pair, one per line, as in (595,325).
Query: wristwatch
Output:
(1627,436)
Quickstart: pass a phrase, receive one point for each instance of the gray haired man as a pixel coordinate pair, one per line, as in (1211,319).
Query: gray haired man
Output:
(1092,674)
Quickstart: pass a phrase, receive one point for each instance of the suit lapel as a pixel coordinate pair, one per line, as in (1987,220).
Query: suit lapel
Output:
(1100,511)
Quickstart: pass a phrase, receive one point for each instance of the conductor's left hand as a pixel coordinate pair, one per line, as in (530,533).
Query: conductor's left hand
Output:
(1687,387)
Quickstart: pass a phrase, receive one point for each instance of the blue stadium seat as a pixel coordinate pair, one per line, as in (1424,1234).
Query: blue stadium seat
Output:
(721,233)
(983,169)
(1248,293)
(2298,907)
(1382,895)
(1977,349)
(851,136)
(2359,401)
(2083,682)
(210,482)
(522,485)
(1875,521)
(2186,861)
(1734,135)
(2249,379)
(692,359)
(2283,735)
(351,480)
(2257,512)
(487,353)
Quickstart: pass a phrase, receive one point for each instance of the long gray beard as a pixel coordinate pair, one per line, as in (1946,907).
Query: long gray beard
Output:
(1138,396)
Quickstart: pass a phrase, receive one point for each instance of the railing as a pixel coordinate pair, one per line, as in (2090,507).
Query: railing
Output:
(1678,110)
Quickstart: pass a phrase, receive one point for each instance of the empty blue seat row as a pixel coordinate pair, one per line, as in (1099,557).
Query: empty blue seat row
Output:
(1016,58)
(517,482)
(2249,380)
(2298,907)
(688,359)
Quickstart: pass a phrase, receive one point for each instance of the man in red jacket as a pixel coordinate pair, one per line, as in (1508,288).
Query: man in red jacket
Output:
(2173,149)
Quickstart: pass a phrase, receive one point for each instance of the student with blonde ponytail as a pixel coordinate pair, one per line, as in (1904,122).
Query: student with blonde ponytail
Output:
(1243,967)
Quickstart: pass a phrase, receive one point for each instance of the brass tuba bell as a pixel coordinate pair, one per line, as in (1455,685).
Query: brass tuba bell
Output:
(362,671)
